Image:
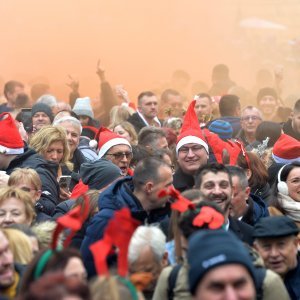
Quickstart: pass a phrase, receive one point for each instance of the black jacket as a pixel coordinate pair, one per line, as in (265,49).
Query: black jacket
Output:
(288,129)
(242,230)
(48,173)
(182,181)
(137,122)
(292,281)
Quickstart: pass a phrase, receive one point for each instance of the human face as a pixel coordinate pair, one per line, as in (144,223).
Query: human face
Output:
(84,120)
(12,211)
(75,269)
(116,155)
(147,262)
(162,143)
(191,157)
(11,97)
(238,205)
(250,119)
(227,282)
(6,263)
(153,188)
(55,152)
(175,104)
(296,121)
(73,135)
(122,132)
(203,108)
(268,105)
(40,119)
(293,183)
(148,107)
(279,254)
(216,187)
(29,188)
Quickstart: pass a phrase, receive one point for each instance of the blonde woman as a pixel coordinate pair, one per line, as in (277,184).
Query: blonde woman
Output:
(126,130)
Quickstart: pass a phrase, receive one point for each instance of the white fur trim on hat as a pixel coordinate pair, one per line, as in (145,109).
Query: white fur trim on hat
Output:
(280,160)
(5,150)
(190,139)
(111,143)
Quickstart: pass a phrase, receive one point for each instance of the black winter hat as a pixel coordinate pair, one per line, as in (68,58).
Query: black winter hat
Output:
(42,107)
(267,91)
(212,248)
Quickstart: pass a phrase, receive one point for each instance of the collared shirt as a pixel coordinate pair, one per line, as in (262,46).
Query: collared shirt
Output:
(154,119)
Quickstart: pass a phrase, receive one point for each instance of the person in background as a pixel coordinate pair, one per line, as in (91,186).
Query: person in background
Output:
(41,115)
(267,101)
(126,130)
(11,91)
(152,138)
(171,104)
(204,108)
(292,126)
(49,100)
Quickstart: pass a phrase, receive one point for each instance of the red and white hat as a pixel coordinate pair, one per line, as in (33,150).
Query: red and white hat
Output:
(286,150)
(190,131)
(10,139)
(107,139)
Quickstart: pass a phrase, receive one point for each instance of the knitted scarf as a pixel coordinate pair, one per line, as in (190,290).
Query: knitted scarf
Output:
(290,206)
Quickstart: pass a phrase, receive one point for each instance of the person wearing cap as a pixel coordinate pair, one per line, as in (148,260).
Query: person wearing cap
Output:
(222,269)
(251,117)
(191,150)
(292,126)
(222,128)
(41,115)
(139,193)
(267,101)
(215,183)
(277,243)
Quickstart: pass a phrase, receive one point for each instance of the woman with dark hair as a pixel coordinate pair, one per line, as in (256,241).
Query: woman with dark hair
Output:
(286,193)
(268,129)
(257,175)
(68,261)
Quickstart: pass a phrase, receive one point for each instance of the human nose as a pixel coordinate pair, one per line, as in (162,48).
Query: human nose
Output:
(274,251)
(8,218)
(190,152)
(230,293)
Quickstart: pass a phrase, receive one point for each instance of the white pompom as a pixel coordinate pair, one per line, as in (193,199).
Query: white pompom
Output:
(93,144)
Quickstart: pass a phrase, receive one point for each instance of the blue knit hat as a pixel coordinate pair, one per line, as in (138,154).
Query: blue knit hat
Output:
(212,248)
(222,128)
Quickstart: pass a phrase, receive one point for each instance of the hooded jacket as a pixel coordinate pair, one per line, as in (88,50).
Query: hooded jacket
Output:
(118,195)
(48,173)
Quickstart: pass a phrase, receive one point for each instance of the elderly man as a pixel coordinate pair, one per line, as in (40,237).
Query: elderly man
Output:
(41,115)
(139,193)
(277,243)
(251,117)
(222,269)
(146,253)
(214,182)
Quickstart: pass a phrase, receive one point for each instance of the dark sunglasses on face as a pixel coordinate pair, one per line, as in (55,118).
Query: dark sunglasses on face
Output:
(120,155)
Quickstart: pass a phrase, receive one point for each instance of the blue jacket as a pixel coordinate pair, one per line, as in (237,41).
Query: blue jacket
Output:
(118,195)
(292,281)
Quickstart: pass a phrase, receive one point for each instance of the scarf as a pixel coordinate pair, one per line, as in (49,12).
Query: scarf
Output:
(290,206)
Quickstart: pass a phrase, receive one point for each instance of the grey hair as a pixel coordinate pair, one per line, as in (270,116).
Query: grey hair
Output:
(144,236)
(253,108)
(50,100)
(69,119)
(240,173)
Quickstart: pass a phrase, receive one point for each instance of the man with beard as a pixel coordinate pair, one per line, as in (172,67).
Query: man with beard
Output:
(214,182)
(10,276)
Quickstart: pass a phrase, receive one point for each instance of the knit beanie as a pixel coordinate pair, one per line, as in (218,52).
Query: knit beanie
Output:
(222,128)
(99,173)
(82,107)
(41,107)
(209,249)
(286,150)
(267,91)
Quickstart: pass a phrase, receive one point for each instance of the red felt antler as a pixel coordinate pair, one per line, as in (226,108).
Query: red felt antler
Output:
(209,216)
(182,204)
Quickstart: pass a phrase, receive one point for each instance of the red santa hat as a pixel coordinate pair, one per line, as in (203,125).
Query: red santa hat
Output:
(190,131)
(107,139)
(10,139)
(286,150)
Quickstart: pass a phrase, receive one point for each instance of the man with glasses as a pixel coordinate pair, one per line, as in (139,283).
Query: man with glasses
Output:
(251,117)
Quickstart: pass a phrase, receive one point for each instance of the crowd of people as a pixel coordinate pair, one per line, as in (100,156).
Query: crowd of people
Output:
(160,198)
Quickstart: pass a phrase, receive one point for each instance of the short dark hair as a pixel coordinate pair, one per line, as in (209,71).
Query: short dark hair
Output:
(268,129)
(228,105)
(147,169)
(149,135)
(214,168)
(165,94)
(296,108)
(10,86)
(143,94)
(240,173)
(205,95)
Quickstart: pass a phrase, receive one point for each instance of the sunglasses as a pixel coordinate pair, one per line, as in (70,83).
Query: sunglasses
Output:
(120,155)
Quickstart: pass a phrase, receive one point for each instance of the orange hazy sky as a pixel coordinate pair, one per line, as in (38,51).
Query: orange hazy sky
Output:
(140,43)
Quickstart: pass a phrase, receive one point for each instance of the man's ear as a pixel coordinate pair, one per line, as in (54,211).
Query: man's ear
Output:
(149,187)
(255,246)
(165,260)
(248,190)
(248,173)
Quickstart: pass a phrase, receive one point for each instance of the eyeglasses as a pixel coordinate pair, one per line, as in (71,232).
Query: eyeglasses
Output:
(185,150)
(254,118)
(120,155)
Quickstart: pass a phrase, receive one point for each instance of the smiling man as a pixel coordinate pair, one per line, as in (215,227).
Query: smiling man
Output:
(277,243)
(214,182)
(267,100)
(41,115)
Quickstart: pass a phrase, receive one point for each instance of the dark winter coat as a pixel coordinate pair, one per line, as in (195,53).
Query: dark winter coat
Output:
(288,129)
(182,181)
(137,122)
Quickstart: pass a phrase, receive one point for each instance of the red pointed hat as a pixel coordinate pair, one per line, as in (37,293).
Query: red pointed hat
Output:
(286,150)
(10,139)
(107,139)
(190,131)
